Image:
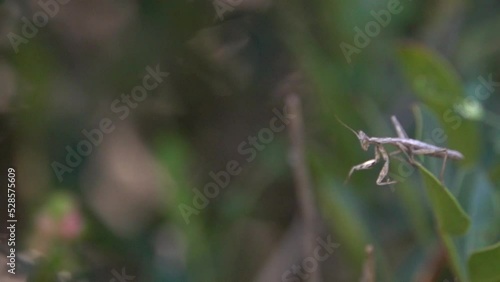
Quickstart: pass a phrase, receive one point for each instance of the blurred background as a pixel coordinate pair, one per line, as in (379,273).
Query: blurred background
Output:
(196,140)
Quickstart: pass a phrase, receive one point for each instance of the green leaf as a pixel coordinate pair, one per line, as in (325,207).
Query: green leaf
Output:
(432,78)
(483,264)
(340,212)
(175,154)
(450,216)
(481,208)
(457,262)
(437,85)
(59,204)
(338,206)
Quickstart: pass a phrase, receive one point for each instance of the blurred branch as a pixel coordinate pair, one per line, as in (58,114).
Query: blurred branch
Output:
(303,187)
(369,266)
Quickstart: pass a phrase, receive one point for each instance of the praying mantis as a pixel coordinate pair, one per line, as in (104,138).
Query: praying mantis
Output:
(409,147)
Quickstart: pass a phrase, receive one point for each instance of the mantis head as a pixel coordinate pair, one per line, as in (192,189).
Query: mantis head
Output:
(363,139)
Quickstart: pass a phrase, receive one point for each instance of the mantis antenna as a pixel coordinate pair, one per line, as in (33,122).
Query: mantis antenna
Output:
(346,126)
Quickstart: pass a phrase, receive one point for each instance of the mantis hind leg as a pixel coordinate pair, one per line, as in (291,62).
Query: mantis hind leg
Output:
(399,129)
(441,174)
(445,158)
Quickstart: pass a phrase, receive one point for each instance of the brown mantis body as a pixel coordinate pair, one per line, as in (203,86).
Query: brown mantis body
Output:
(409,147)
